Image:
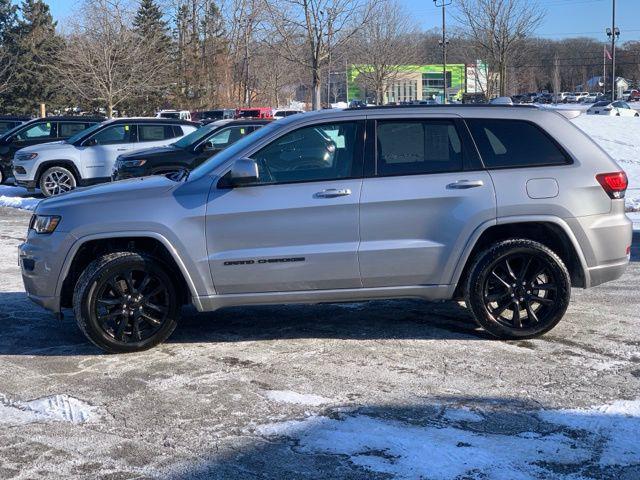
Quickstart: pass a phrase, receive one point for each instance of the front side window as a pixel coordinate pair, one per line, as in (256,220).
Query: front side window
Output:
(409,147)
(39,130)
(319,152)
(227,136)
(514,143)
(115,134)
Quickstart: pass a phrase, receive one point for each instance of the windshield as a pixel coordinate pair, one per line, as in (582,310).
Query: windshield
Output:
(12,131)
(233,150)
(601,104)
(194,137)
(82,133)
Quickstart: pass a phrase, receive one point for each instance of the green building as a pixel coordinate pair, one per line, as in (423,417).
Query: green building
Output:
(419,82)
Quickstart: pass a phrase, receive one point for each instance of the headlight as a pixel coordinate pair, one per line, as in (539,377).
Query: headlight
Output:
(131,163)
(21,157)
(44,223)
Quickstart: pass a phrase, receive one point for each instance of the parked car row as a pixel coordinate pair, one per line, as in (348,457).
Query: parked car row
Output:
(208,116)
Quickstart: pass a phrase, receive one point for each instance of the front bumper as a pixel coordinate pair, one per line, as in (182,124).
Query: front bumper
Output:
(41,259)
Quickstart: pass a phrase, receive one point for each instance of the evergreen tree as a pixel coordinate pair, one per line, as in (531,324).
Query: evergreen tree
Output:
(8,19)
(34,46)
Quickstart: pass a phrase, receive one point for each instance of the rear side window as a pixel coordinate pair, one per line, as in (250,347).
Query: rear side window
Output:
(68,129)
(514,143)
(417,147)
(155,133)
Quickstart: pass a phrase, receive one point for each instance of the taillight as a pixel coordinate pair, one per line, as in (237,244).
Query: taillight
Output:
(615,184)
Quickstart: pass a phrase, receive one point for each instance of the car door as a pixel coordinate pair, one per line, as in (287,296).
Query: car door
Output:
(99,152)
(423,196)
(34,134)
(297,227)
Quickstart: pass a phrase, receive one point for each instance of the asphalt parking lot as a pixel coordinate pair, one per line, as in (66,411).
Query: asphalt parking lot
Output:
(388,389)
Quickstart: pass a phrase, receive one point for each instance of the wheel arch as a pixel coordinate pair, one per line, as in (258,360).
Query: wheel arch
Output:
(68,164)
(86,249)
(548,230)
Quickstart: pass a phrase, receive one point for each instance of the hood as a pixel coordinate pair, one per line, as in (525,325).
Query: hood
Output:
(114,192)
(154,152)
(57,146)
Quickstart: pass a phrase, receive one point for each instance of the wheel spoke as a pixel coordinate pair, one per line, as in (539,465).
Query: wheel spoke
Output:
(121,326)
(157,308)
(496,297)
(545,286)
(500,279)
(128,280)
(525,267)
(154,292)
(509,269)
(115,286)
(500,309)
(110,301)
(530,313)
(150,319)
(136,328)
(145,282)
(543,301)
(109,315)
(517,321)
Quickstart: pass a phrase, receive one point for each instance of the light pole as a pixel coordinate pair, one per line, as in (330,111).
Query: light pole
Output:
(443,4)
(613,33)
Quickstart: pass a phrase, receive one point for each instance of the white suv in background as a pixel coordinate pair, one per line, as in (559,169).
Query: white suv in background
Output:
(90,156)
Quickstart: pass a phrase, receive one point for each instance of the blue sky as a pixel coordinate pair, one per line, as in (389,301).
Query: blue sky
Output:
(565,18)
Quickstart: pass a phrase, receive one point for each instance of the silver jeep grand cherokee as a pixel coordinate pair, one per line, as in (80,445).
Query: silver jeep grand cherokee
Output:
(505,207)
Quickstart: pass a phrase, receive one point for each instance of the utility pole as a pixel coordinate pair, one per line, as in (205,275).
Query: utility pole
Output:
(613,33)
(443,4)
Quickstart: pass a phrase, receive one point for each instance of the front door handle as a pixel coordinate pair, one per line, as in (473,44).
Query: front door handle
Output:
(465,184)
(122,149)
(333,193)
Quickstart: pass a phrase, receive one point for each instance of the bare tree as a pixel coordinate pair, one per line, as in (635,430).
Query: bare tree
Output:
(384,47)
(308,30)
(497,27)
(106,61)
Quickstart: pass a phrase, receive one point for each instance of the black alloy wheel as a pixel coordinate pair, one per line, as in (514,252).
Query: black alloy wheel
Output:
(126,302)
(518,289)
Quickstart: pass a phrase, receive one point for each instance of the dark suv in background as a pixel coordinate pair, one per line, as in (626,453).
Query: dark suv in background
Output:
(9,122)
(36,131)
(207,116)
(188,152)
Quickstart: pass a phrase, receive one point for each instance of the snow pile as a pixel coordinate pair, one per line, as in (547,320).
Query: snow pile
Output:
(52,408)
(16,197)
(504,445)
(287,396)
(620,138)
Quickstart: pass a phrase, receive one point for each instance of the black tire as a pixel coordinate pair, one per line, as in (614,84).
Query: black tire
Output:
(503,279)
(2,177)
(130,282)
(56,180)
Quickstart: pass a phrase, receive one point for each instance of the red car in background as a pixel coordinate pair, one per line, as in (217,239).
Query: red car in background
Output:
(254,112)
(634,96)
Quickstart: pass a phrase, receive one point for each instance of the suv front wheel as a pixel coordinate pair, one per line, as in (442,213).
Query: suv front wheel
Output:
(518,289)
(56,180)
(126,302)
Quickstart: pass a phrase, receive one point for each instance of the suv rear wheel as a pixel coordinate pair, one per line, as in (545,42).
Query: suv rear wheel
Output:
(518,289)
(56,180)
(126,302)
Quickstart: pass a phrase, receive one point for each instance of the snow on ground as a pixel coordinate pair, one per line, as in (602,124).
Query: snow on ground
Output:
(620,138)
(17,197)
(287,396)
(52,408)
(456,443)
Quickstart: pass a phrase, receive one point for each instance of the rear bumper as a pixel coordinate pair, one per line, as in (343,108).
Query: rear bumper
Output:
(605,241)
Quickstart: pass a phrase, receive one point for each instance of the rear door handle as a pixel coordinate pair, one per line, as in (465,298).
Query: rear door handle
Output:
(333,193)
(465,184)
(122,149)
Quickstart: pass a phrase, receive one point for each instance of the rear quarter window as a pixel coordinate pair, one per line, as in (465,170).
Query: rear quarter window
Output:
(514,143)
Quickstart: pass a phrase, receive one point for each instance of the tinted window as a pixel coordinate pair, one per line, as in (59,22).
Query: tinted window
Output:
(38,130)
(5,126)
(115,134)
(227,136)
(513,143)
(68,129)
(321,152)
(415,147)
(155,133)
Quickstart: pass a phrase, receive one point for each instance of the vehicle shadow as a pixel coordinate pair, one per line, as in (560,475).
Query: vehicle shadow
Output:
(443,437)
(29,330)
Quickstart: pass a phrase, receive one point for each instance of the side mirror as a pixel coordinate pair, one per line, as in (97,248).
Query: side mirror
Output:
(90,143)
(243,172)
